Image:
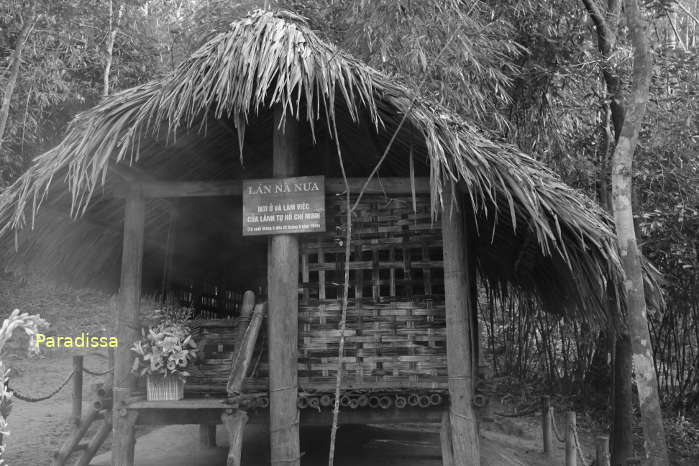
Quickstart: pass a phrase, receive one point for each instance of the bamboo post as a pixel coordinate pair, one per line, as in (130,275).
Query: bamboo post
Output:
(77,390)
(458,304)
(283,282)
(445,439)
(246,307)
(546,423)
(109,379)
(602,450)
(243,357)
(241,362)
(571,458)
(127,326)
(207,433)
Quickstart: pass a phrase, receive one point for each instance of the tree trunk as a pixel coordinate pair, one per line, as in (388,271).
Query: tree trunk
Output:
(606,26)
(113,31)
(622,402)
(622,160)
(14,71)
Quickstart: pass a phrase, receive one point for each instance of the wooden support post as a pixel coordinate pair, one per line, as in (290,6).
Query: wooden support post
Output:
(602,450)
(126,434)
(445,438)
(127,326)
(207,435)
(283,299)
(571,458)
(546,423)
(109,379)
(458,303)
(77,390)
(235,425)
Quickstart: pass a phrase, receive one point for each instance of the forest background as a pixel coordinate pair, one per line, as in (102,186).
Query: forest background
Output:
(531,72)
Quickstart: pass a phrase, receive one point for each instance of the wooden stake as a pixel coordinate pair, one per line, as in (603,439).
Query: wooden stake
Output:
(77,390)
(546,423)
(127,326)
(602,450)
(445,438)
(235,424)
(458,303)
(283,282)
(571,457)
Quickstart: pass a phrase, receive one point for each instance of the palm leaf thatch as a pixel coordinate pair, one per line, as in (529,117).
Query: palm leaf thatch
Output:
(523,213)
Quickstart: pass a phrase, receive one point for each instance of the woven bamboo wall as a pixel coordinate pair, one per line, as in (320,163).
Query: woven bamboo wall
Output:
(396,335)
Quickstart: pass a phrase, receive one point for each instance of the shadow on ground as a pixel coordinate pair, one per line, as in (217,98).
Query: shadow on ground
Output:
(415,445)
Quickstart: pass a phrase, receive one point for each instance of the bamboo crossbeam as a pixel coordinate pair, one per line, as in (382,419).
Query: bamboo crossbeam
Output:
(174,189)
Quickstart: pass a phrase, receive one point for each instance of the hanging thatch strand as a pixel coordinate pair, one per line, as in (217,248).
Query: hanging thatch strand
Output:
(271,59)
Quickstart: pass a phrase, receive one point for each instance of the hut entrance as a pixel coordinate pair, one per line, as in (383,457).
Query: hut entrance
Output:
(211,263)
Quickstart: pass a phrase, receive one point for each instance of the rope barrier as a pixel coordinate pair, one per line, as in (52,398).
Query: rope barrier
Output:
(562,439)
(97,374)
(578,448)
(556,432)
(30,399)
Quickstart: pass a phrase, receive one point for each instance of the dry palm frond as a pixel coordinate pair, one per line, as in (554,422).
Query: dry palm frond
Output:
(270,59)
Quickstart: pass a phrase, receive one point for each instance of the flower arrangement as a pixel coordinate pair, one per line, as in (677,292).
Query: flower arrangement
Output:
(166,347)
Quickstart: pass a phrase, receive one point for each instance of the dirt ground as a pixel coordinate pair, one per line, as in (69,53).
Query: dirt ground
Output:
(38,429)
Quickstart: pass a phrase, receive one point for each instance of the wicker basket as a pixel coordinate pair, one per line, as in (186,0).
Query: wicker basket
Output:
(159,388)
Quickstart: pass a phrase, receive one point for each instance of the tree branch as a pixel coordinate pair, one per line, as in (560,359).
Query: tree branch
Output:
(113,30)
(606,41)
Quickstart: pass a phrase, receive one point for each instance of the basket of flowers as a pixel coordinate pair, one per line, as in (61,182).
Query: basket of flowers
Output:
(163,354)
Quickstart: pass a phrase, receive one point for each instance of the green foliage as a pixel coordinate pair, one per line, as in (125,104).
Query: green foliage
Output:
(64,60)
(460,54)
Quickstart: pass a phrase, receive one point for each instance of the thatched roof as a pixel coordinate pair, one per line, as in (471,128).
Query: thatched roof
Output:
(534,232)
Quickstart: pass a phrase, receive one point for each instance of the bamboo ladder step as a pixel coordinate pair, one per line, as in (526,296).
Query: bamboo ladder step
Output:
(74,445)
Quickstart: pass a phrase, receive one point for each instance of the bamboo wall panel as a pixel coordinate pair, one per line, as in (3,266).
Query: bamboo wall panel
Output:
(396,331)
